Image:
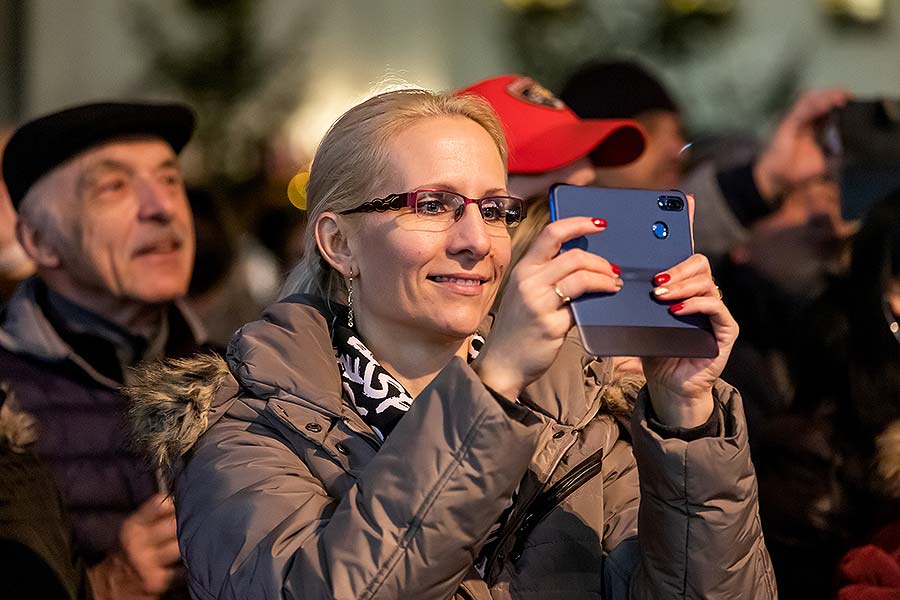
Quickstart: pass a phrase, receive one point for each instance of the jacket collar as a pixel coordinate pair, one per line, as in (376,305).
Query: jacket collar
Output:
(288,354)
(26,330)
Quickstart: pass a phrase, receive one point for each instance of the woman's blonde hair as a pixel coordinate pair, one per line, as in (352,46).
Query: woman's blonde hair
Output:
(522,237)
(353,162)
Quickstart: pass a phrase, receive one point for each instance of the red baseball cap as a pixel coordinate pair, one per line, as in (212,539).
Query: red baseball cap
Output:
(544,134)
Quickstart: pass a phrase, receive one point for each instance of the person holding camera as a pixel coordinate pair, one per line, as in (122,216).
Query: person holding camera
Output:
(378,434)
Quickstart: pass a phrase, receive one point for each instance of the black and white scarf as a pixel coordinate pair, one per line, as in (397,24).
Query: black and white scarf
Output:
(379,398)
(382,401)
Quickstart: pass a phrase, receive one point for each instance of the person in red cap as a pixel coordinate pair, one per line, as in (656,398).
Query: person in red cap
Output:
(549,143)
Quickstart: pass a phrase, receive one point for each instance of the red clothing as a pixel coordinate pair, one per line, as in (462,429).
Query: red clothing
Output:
(872,572)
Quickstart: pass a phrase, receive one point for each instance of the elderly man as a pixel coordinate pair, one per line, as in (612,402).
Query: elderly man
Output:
(103,214)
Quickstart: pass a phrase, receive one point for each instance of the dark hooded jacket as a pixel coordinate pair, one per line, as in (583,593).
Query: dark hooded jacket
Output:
(282,490)
(80,414)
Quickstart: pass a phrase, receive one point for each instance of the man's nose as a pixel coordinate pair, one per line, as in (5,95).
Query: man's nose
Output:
(156,200)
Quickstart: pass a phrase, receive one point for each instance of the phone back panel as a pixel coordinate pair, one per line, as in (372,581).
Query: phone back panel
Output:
(632,322)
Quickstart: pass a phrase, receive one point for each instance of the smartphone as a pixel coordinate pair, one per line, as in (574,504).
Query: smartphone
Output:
(649,231)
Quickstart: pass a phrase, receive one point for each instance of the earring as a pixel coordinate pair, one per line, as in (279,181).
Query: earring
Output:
(350,302)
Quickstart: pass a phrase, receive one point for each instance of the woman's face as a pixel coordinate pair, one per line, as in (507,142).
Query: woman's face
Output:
(432,283)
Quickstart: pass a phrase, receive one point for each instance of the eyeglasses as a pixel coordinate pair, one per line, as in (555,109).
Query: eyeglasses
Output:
(439,209)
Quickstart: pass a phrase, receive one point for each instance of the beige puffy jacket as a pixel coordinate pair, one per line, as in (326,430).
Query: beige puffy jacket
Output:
(282,490)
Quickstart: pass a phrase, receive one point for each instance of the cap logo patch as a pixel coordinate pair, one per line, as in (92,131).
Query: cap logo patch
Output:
(530,91)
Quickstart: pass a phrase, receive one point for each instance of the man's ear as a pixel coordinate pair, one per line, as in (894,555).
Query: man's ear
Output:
(333,242)
(39,246)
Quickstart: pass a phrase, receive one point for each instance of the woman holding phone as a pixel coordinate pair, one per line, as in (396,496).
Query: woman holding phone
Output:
(380,435)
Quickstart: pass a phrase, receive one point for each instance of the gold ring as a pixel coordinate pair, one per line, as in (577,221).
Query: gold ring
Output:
(719,292)
(565,299)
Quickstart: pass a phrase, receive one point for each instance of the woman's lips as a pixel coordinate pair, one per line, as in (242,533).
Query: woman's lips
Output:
(469,286)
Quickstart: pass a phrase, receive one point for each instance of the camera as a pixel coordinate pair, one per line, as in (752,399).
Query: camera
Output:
(869,132)
(670,203)
(861,143)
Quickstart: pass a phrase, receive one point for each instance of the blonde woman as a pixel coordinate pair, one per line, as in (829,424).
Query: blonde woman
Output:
(378,435)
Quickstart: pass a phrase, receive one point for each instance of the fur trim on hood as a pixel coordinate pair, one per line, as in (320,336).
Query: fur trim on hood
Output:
(619,397)
(888,459)
(170,405)
(17,429)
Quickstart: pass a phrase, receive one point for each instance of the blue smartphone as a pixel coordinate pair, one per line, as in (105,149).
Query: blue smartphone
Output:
(649,231)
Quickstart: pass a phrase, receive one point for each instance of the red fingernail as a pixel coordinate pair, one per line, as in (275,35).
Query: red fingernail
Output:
(676,307)
(615,269)
(661,279)
(598,222)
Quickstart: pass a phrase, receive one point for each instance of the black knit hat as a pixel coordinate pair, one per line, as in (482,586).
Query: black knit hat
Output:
(44,143)
(615,90)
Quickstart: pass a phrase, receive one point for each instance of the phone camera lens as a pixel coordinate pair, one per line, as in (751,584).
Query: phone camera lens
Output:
(660,230)
(670,203)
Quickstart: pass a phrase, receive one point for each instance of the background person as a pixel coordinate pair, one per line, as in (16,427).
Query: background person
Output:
(390,471)
(731,197)
(14,263)
(38,556)
(771,223)
(846,490)
(104,217)
(548,143)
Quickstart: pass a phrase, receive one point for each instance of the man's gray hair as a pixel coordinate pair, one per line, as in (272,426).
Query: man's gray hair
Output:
(40,208)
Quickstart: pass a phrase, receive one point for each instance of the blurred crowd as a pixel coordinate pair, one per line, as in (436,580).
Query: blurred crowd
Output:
(816,295)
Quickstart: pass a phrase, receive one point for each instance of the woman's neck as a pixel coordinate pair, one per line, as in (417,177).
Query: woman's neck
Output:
(413,359)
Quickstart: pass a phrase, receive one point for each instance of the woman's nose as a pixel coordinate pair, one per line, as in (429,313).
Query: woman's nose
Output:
(470,232)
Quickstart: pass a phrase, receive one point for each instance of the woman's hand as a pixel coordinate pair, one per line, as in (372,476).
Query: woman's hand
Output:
(534,315)
(681,388)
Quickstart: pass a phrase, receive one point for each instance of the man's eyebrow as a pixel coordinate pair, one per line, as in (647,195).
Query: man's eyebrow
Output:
(169,163)
(89,174)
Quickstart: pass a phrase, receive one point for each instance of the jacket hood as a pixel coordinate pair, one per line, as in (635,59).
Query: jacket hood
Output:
(17,429)
(286,354)
(888,459)
(171,403)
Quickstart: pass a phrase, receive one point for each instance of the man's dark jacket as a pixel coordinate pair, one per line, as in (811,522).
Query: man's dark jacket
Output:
(80,414)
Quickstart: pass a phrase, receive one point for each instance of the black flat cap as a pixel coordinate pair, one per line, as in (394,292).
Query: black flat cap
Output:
(40,145)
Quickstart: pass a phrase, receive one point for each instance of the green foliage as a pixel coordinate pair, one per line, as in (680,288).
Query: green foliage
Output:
(679,39)
(219,57)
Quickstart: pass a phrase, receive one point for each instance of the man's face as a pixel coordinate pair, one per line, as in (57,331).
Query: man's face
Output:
(661,164)
(127,229)
(802,242)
